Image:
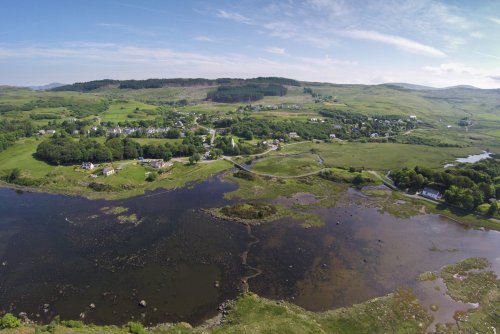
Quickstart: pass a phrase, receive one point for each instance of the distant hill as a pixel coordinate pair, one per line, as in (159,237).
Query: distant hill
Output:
(420,87)
(47,86)
(409,86)
(176,82)
(462,87)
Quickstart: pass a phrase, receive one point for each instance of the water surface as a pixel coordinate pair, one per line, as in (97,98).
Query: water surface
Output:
(61,254)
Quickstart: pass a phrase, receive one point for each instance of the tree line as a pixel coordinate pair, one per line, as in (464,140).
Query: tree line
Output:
(66,150)
(245,93)
(80,107)
(466,186)
(249,128)
(175,82)
(10,131)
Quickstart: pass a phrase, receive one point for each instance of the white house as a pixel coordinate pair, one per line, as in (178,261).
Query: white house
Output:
(332,136)
(88,165)
(50,132)
(293,135)
(431,193)
(108,171)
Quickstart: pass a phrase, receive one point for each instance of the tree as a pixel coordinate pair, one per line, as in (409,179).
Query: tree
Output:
(194,158)
(131,149)
(173,134)
(14,175)
(493,210)
(116,147)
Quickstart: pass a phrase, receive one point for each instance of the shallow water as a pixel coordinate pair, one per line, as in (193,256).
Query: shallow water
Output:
(66,252)
(359,254)
(471,158)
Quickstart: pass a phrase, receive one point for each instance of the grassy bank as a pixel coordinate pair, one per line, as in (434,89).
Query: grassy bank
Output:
(130,179)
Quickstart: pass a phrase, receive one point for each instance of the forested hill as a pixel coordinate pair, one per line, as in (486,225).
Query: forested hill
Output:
(177,82)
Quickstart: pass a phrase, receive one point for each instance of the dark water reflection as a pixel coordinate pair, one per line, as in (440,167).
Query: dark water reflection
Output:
(65,252)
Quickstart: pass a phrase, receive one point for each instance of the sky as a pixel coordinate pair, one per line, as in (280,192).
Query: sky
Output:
(426,42)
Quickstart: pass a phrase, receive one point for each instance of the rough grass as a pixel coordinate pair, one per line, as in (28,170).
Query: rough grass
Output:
(249,210)
(259,213)
(121,111)
(380,156)
(20,155)
(288,165)
(467,281)
(261,188)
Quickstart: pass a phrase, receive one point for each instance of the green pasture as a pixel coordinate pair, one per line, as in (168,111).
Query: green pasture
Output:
(128,110)
(288,165)
(379,156)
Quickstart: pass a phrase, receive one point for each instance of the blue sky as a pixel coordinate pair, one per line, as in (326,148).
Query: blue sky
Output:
(437,43)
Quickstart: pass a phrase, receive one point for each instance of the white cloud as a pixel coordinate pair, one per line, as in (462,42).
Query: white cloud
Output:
(452,68)
(275,50)
(454,42)
(286,30)
(444,13)
(476,34)
(399,42)
(233,16)
(127,28)
(331,7)
(494,20)
(121,62)
(458,73)
(69,62)
(487,55)
(202,38)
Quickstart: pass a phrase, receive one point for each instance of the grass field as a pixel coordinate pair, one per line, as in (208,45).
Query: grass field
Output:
(288,165)
(127,110)
(129,181)
(378,156)
(21,156)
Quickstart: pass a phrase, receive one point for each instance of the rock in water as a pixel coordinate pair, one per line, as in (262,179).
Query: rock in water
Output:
(142,303)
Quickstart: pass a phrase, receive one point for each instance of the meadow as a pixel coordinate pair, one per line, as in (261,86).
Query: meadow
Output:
(376,156)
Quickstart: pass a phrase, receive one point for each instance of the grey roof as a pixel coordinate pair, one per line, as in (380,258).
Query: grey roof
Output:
(431,191)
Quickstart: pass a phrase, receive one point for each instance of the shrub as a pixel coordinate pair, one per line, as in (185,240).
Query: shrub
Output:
(72,323)
(96,186)
(9,321)
(135,328)
(243,174)
(152,177)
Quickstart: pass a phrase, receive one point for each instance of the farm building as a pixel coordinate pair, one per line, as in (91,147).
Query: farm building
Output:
(108,171)
(88,165)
